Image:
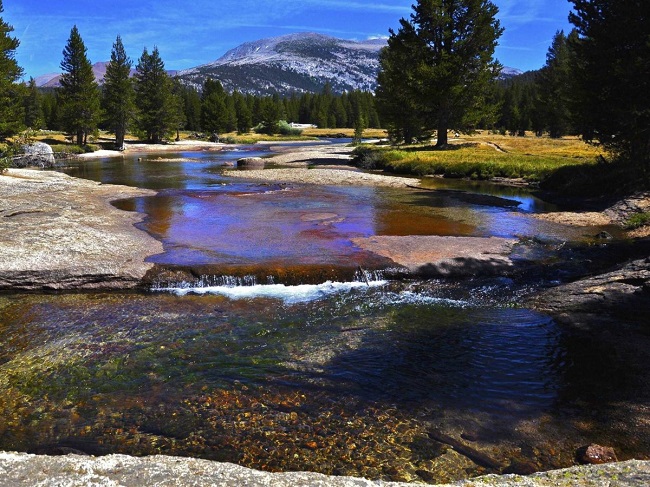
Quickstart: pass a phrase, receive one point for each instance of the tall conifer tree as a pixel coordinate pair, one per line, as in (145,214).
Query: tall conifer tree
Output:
(213,107)
(33,106)
(119,95)
(612,73)
(158,110)
(440,65)
(555,87)
(11,110)
(79,95)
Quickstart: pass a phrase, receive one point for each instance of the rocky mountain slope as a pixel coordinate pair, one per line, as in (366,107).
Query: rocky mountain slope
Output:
(293,63)
(99,70)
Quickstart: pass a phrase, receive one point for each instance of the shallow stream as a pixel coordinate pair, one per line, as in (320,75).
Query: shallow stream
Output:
(303,369)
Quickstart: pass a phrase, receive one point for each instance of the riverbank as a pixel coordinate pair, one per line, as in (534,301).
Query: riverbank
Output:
(22,470)
(135,147)
(60,232)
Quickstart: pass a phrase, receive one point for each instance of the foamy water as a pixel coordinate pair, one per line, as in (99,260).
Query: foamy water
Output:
(289,294)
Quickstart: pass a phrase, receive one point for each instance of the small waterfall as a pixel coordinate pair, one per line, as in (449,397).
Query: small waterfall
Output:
(368,276)
(248,287)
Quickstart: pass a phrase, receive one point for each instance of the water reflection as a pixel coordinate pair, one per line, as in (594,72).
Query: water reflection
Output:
(169,170)
(205,218)
(523,198)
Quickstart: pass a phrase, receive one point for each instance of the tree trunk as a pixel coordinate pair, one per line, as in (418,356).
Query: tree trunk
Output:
(119,139)
(80,137)
(442,134)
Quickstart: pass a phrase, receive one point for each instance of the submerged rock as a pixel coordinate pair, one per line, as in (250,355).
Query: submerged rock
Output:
(251,162)
(436,256)
(596,454)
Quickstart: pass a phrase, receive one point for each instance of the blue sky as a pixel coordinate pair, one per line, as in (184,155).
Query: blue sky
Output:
(196,32)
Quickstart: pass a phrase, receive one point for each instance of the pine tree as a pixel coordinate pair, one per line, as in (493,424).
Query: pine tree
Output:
(177,109)
(554,83)
(11,110)
(244,116)
(158,108)
(119,95)
(50,106)
(33,105)
(271,112)
(396,95)
(612,76)
(213,107)
(191,107)
(79,95)
(438,67)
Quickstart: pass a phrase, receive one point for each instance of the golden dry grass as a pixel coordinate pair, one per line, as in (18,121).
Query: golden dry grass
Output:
(484,156)
(347,132)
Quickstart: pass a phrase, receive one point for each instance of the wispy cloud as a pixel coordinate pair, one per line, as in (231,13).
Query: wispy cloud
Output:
(191,33)
(515,13)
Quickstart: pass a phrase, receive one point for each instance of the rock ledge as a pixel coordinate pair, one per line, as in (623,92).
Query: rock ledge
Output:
(21,469)
(58,232)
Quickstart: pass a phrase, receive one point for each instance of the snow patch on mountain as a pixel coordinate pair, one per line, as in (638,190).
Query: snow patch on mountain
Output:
(294,63)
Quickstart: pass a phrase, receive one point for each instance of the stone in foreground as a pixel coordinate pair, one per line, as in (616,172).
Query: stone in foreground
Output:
(58,232)
(24,470)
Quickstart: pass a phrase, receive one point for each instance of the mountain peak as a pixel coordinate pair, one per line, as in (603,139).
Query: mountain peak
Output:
(301,62)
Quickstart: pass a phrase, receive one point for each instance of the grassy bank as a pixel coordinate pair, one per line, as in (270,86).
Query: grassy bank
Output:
(484,157)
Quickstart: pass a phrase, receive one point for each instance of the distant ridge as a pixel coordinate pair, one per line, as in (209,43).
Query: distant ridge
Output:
(293,63)
(99,70)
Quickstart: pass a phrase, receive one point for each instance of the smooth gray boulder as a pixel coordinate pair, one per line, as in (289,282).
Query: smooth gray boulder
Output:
(38,154)
(59,232)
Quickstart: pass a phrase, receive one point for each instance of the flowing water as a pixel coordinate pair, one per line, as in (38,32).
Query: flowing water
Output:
(267,357)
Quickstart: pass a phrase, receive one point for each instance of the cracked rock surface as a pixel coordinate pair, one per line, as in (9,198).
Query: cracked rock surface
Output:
(20,469)
(58,232)
(620,293)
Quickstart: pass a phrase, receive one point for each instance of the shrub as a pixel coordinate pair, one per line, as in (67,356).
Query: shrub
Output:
(367,157)
(285,129)
(5,162)
(5,158)
(637,220)
(281,128)
(74,149)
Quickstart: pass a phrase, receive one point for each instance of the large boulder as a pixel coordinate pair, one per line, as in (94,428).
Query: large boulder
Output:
(251,163)
(38,154)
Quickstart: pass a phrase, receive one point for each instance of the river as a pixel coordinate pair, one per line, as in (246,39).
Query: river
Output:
(278,344)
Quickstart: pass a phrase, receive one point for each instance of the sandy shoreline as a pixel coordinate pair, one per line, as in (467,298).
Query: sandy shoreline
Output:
(326,176)
(182,146)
